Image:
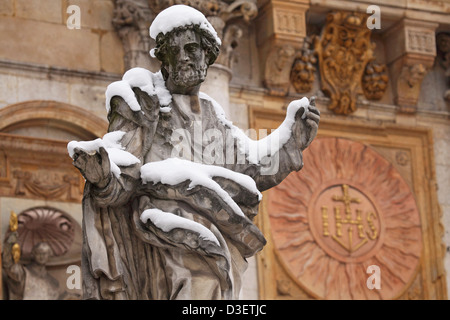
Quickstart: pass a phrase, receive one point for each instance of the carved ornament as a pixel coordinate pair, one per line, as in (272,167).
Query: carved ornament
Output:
(337,218)
(410,53)
(344,50)
(47,185)
(375,80)
(443,45)
(303,69)
(44,224)
(277,71)
(280,32)
(131,20)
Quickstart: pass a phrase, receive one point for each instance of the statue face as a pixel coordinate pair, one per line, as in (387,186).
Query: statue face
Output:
(41,254)
(187,64)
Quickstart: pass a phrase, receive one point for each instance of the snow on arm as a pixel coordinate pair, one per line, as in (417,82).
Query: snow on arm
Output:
(168,221)
(111,143)
(256,150)
(151,83)
(173,171)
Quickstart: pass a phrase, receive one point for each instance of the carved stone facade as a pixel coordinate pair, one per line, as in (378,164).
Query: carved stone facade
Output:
(41,177)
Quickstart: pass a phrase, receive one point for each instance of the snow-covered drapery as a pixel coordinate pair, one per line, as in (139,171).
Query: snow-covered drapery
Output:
(173,218)
(171,228)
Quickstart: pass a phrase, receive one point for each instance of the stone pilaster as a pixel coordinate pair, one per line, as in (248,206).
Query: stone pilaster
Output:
(281,30)
(410,53)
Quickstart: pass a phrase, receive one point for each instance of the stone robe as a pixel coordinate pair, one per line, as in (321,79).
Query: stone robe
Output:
(124,258)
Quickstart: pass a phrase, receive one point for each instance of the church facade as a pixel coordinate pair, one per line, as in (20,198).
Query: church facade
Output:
(368,216)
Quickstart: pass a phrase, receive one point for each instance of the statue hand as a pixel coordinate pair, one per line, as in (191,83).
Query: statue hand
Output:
(306,125)
(95,167)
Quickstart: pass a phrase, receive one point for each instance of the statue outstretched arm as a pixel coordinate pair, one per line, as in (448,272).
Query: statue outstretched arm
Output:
(111,165)
(272,158)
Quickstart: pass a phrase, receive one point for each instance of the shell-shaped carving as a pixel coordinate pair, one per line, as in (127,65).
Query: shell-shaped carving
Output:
(44,224)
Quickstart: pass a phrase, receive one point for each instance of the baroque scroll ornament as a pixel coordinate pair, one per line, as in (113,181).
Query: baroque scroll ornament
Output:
(344,50)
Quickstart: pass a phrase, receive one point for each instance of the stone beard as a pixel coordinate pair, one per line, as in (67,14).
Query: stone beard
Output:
(187,66)
(190,74)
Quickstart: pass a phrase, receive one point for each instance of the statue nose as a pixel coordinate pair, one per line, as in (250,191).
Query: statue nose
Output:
(184,56)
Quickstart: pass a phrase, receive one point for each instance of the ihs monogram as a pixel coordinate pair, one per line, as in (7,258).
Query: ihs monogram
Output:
(363,235)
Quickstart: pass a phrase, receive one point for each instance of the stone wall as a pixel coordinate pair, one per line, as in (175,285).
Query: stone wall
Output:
(45,39)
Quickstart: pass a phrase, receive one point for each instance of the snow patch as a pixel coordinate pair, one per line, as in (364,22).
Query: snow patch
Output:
(151,83)
(179,16)
(111,143)
(173,171)
(168,221)
(255,150)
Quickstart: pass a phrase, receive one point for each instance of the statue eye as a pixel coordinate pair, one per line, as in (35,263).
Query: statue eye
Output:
(192,47)
(174,50)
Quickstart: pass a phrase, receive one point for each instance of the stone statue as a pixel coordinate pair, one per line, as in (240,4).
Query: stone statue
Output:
(172,188)
(31,281)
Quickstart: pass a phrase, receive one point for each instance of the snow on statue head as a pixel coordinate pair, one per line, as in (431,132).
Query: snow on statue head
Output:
(176,19)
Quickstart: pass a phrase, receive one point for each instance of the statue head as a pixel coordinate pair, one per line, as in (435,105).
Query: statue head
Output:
(41,253)
(186,48)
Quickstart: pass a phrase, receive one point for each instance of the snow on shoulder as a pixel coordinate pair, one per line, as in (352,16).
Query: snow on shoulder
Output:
(179,16)
(151,83)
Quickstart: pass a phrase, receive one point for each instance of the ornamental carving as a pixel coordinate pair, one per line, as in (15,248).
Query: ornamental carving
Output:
(44,224)
(280,33)
(131,20)
(47,185)
(303,69)
(443,46)
(349,210)
(278,67)
(344,50)
(375,80)
(410,52)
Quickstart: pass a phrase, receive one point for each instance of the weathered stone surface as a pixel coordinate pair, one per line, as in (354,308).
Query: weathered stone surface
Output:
(49,44)
(111,53)
(7,7)
(94,14)
(39,89)
(41,10)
